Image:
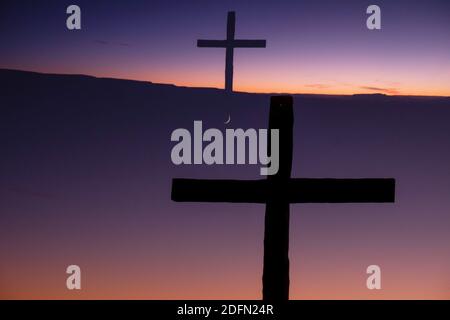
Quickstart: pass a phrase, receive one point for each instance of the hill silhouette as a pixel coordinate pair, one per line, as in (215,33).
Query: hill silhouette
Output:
(11,79)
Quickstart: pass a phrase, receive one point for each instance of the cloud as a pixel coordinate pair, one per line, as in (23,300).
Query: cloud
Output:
(103,42)
(26,192)
(317,85)
(383,90)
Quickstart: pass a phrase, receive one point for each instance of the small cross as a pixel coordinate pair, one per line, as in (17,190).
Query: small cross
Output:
(277,192)
(230,43)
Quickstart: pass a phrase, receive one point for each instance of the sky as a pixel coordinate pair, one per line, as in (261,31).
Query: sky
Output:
(85,164)
(312,46)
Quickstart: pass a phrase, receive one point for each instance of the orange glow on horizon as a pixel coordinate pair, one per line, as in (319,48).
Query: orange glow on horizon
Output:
(291,84)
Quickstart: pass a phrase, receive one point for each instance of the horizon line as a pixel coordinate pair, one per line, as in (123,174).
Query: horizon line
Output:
(222,89)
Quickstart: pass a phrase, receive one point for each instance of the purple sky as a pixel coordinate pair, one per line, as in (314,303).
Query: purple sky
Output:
(312,46)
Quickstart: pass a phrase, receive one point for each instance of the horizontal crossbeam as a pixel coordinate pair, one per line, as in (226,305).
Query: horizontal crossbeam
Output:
(212,43)
(301,190)
(232,43)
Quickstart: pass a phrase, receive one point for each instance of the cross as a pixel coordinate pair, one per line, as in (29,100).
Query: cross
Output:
(277,192)
(230,43)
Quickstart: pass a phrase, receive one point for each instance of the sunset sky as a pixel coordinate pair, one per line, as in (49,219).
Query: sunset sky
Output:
(85,169)
(312,46)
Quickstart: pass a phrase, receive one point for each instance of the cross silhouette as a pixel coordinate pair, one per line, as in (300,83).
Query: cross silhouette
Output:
(230,43)
(278,192)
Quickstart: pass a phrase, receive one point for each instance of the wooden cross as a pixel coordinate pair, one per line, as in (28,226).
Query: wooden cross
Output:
(278,192)
(230,43)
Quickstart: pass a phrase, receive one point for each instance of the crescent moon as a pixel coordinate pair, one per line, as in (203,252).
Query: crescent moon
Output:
(229,119)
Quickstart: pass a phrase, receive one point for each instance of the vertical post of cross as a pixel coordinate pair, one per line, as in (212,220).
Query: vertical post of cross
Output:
(231,23)
(276,233)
